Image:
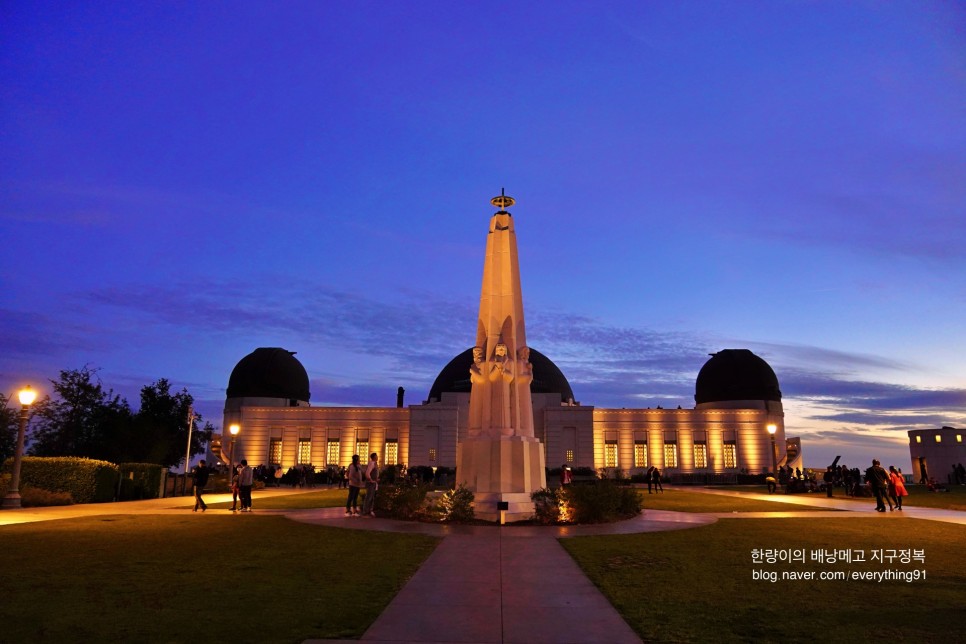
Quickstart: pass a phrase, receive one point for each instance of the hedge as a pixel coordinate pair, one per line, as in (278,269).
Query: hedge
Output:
(86,480)
(139,481)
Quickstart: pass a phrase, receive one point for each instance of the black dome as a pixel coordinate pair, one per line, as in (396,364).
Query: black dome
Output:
(736,374)
(547,377)
(269,373)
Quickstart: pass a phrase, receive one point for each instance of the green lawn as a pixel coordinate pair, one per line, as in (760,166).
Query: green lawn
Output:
(203,577)
(696,585)
(322,498)
(696,501)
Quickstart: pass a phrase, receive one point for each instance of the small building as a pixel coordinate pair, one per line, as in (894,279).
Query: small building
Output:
(934,453)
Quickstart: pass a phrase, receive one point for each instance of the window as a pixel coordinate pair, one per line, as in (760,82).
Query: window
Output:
(640,454)
(918,439)
(610,454)
(392,453)
(730,455)
(700,455)
(275,451)
(939,438)
(569,456)
(362,449)
(959,438)
(670,454)
(432,454)
(305,451)
(332,452)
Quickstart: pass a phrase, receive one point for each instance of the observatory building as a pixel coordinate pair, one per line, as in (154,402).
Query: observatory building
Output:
(736,425)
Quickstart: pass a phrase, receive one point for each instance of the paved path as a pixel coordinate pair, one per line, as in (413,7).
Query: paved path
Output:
(861,506)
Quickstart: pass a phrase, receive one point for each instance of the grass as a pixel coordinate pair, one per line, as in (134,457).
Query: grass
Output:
(696,501)
(221,578)
(696,585)
(322,498)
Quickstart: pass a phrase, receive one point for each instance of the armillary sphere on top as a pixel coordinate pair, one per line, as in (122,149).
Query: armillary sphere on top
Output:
(502,202)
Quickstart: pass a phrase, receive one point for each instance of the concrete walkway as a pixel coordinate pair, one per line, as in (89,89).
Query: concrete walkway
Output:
(860,506)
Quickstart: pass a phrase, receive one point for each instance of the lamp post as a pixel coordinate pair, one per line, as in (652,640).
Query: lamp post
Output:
(12,499)
(233,429)
(772,428)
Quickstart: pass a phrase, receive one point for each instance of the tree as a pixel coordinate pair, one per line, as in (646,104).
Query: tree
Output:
(161,426)
(9,419)
(83,419)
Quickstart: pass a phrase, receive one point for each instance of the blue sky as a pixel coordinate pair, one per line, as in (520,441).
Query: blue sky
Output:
(181,183)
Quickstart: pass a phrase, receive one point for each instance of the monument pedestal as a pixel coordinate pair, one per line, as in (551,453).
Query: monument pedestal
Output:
(506,469)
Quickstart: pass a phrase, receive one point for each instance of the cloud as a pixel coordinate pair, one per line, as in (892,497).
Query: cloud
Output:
(415,334)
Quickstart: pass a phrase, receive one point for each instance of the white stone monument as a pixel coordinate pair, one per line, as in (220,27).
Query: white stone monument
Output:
(500,460)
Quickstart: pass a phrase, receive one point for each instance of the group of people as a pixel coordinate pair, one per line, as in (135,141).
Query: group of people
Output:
(242,480)
(357,477)
(887,487)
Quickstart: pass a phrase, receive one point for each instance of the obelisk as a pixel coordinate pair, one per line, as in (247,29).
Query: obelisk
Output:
(500,460)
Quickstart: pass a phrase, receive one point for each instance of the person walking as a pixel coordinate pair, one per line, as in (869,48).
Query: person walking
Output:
(245,482)
(372,484)
(354,476)
(199,479)
(878,479)
(897,487)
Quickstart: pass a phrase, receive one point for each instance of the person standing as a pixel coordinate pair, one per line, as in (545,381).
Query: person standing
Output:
(878,479)
(372,484)
(656,476)
(897,487)
(199,479)
(829,479)
(245,482)
(234,489)
(649,477)
(354,475)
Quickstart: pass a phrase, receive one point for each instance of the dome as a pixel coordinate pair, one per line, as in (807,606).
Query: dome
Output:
(736,374)
(547,377)
(269,373)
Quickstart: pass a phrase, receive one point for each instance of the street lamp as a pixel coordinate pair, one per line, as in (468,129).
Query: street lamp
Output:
(772,428)
(27,397)
(233,429)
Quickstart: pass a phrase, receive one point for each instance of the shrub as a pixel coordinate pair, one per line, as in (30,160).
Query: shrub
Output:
(601,502)
(457,504)
(86,480)
(547,509)
(35,497)
(405,500)
(139,481)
